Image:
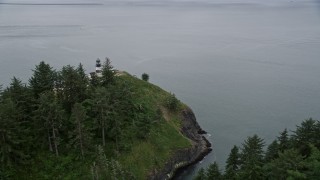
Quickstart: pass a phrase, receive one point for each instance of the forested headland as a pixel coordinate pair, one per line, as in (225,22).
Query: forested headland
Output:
(64,124)
(292,155)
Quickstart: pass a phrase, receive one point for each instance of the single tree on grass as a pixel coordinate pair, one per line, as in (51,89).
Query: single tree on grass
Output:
(145,77)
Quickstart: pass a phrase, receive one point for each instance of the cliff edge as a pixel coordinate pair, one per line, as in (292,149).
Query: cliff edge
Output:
(188,156)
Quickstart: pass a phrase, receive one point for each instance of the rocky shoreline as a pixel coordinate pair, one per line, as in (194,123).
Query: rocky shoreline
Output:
(185,157)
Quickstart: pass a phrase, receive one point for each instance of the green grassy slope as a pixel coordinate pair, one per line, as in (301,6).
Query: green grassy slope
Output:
(164,137)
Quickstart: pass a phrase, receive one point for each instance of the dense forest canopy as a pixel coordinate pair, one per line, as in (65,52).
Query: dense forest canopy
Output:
(66,124)
(295,156)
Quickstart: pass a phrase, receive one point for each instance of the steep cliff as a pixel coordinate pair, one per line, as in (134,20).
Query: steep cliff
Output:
(188,156)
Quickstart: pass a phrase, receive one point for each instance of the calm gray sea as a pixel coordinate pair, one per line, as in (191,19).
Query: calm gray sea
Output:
(244,67)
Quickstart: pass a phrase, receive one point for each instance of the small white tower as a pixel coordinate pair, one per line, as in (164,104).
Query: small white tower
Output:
(98,68)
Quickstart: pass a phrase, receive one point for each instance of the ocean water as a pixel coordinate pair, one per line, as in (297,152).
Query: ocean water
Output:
(245,67)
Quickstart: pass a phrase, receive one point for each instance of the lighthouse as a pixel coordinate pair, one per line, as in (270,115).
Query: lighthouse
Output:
(98,68)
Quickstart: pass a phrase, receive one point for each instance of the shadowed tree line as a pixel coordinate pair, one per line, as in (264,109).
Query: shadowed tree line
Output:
(289,157)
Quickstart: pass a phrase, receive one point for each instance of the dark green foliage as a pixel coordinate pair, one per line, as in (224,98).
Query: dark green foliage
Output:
(287,158)
(11,131)
(15,109)
(313,164)
(232,164)
(50,116)
(21,97)
(272,151)
(284,142)
(143,125)
(252,148)
(83,81)
(108,73)
(213,172)
(47,166)
(114,112)
(80,136)
(43,79)
(295,175)
(251,158)
(103,168)
(72,86)
(121,114)
(172,102)
(201,175)
(145,77)
(94,80)
(289,163)
(102,109)
(307,133)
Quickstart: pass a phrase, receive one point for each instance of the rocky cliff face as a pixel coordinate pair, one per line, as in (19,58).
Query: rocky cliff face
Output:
(185,157)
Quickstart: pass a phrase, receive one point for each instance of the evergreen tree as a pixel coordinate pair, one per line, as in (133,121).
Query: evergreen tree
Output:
(252,158)
(142,122)
(80,135)
(16,144)
(283,140)
(23,104)
(82,73)
(272,151)
(83,83)
(73,86)
(296,175)
(51,116)
(21,96)
(12,130)
(108,73)
(289,164)
(172,102)
(201,175)
(313,164)
(232,164)
(102,107)
(94,80)
(43,79)
(213,172)
(306,134)
(124,115)
(316,142)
